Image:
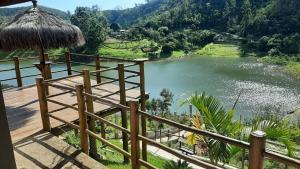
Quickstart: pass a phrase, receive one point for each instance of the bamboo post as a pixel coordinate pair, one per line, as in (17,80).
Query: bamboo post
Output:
(82,119)
(116,122)
(143,107)
(47,68)
(257,148)
(7,157)
(18,72)
(41,89)
(68,62)
(134,132)
(98,67)
(90,108)
(123,112)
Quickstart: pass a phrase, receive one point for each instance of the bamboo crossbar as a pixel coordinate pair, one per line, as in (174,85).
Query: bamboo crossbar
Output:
(60,87)
(147,165)
(178,154)
(117,59)
(66,122)
(60,71)
(6,70)
(58,63)
(59,94)
(28,58)
(62,104)
(107,82)
(27,67)
(282,158)
(92,115)
(104,70)
(125,153)
(219,137)
(110,78)
(76,71)
(134,83)
(104,67)
(84,55)
(31,75)
(131,76)
(133,87)
(130,65)
(84,64)
(106,101)
(132,71)
(8,79)
(62,78)
(6,60)
(60,109)
(111,94)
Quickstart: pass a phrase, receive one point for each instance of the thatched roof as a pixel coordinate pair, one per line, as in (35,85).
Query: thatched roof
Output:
(11,2)
(36,28)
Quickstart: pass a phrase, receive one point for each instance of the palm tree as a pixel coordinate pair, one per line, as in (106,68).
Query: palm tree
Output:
(214,118)
(177,165)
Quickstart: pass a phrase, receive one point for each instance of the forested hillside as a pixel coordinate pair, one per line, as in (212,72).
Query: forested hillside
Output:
(6,13)
(269,26)
(126,17)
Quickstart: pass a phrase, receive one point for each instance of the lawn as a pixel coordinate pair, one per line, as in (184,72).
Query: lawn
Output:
(220,50)
(124,49)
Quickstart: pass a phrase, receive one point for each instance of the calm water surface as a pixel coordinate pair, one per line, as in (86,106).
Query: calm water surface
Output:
(264,87)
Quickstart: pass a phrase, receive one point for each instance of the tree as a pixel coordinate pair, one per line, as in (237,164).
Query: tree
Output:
(246,16)
(115,27)
(93,25)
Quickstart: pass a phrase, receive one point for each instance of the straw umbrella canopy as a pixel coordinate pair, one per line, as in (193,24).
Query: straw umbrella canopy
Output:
(38,30)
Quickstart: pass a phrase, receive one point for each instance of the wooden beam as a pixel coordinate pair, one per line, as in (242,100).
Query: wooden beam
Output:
(7,157)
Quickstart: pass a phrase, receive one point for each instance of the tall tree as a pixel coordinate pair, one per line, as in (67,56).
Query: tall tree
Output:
(93,25)
(246,16)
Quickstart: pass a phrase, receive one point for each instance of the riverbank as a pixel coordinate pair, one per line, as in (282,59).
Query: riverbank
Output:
(290,65)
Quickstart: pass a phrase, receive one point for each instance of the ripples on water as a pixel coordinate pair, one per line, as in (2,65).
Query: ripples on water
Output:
(259,97)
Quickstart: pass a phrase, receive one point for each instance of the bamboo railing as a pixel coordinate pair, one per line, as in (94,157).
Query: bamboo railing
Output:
(88,136)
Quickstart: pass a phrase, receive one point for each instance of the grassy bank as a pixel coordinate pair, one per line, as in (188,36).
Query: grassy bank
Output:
(132,50)
(290,65)
(219,50)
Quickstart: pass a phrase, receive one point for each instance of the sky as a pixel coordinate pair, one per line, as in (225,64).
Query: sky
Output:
(70,5)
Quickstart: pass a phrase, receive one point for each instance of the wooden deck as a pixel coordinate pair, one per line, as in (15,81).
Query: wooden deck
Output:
(23,110)
(43,150)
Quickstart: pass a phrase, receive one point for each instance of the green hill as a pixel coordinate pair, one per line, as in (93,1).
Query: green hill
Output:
(127,17)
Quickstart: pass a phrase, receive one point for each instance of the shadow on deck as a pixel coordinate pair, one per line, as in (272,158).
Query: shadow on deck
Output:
(43,150)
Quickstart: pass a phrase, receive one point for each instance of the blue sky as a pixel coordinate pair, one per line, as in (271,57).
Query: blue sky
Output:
(71,4)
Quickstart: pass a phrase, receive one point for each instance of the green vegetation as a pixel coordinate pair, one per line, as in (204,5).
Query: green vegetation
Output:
(111,158)
(93,25)
(219,50)
(213,117)
(290,65)
(177,165)
(293,69)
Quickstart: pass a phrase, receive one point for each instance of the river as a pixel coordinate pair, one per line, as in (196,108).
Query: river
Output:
(264,87)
